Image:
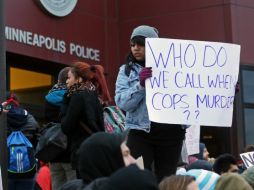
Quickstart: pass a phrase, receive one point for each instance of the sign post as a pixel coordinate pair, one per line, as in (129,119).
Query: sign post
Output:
(3,155)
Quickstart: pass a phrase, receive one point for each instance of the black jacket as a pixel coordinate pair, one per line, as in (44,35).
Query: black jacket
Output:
(19,119)
(23,122)
(83,106)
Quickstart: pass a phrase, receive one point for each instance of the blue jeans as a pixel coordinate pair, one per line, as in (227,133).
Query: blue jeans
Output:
(60,174)
(21,184)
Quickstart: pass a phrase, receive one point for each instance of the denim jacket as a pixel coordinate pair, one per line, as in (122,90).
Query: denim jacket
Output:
(130,96)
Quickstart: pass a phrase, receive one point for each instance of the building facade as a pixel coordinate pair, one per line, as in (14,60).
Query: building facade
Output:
(44,36)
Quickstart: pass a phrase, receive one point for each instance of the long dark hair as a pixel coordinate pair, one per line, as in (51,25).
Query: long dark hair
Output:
(130,59)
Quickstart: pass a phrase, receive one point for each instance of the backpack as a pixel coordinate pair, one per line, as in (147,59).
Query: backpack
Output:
(21,158)
(114,119)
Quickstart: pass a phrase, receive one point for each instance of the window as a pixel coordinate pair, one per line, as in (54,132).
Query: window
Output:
(248,84)
(249,126)
(248,103)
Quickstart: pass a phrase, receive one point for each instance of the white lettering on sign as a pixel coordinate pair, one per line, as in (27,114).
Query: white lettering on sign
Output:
(52,44)
(84,52)
(248,159)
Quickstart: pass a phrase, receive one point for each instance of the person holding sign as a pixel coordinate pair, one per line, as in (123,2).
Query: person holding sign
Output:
(156,142)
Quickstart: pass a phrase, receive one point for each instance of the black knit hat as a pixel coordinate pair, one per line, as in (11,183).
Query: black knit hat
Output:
(131,177)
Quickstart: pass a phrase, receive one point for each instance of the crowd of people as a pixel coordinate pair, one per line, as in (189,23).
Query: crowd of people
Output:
(96,160)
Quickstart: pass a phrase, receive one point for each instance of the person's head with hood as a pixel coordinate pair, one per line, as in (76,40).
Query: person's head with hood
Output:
(232,181)
(131,178)
(16,115)
(102,154)
(203,152)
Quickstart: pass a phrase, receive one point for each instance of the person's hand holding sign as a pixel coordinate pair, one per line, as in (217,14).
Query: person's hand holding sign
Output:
(144,74)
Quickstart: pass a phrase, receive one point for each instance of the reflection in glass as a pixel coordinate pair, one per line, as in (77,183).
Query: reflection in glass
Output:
(248,86)
(249,126)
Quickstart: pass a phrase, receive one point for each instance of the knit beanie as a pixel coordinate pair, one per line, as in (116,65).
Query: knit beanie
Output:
(200,164)
(131,178)
(145,31)
(206,179)
(232,181)
(248,175)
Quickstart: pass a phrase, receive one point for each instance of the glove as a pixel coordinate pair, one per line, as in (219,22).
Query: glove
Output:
(144,74)
(237,87)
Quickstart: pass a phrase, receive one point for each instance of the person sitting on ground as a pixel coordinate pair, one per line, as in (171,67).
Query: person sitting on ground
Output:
(225,163)
(240,163)
(202,155)
(200,164)
(130,178)
(206,179)
(178,182)
(100,155)
(232,181)
(248,175)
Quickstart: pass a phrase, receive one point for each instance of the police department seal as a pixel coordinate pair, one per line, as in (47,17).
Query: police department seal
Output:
(59,8)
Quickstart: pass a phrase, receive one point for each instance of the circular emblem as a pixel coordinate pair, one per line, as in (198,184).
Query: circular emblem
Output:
(59,8)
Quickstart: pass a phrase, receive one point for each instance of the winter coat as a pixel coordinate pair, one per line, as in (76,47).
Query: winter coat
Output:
(24,122)
(83,106)
(53,102)
(130,97)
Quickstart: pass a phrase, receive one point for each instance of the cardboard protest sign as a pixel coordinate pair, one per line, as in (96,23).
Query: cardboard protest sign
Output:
(193,82)
(192,139)
(248,159)
(1,181)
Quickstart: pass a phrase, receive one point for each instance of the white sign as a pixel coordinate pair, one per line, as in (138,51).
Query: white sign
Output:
(192,139)
(52,44)
(193,82)
(248,159)
(1,181)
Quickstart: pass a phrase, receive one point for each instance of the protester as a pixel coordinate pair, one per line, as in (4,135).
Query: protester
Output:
(130,177)
(240,163)
(60,167)
(100,155)
(200,164)
(178,182)
(18,119)
(232,181)
(156,142)
(248,175)
(202,155)
(82,112)
(206,179)
(28,125)
(43,178)
(225,163)
(249,148)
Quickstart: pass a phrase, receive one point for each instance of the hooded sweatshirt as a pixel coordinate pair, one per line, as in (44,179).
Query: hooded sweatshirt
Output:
(131,177)
(232,181)
(98,156)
